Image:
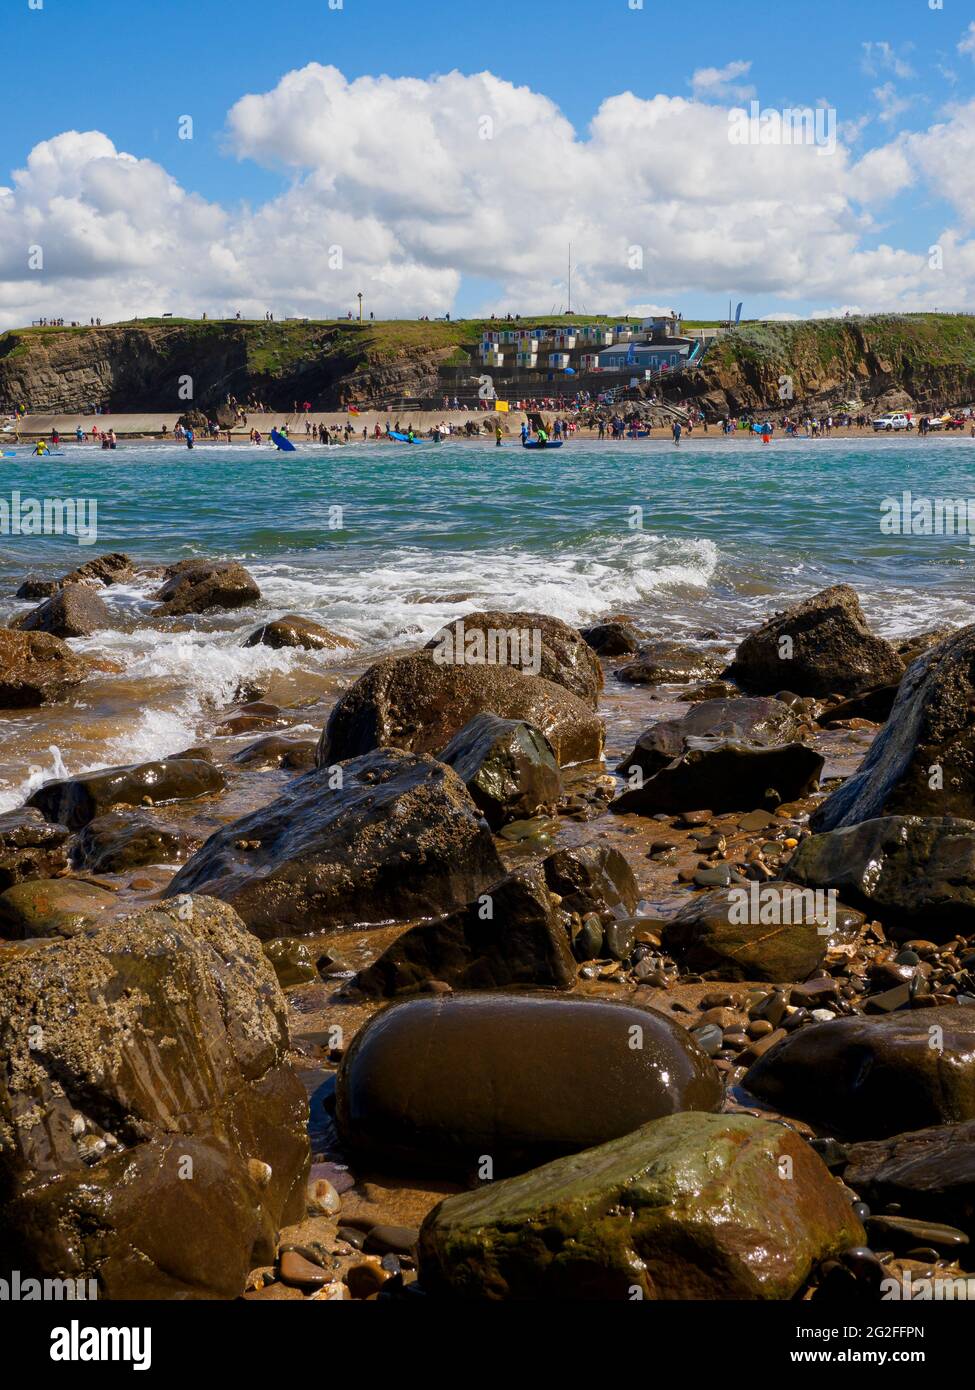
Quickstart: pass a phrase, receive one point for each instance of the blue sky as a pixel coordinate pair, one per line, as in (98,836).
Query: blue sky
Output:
(129,71)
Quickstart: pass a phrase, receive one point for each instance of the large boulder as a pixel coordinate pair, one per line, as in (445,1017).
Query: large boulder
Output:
(445,1082)
(869,1077)
(769,931)
(74,611)
(37,669)
(507,766)
(417,703)
(118,841)
(670,663)
(690,1206)
(200,586)
(30,847)
(512,935)
(533,642)
(761,723)
(912,872)
(724,775)
(101,571)
(928,1172)
(74,801)
(152,1133)
(923,760)
(295,631)
(385,837)
(820,646)
(54,907)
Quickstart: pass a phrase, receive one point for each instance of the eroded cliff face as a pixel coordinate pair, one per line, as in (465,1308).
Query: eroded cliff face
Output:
(885,361)
(175,367)
(926,361)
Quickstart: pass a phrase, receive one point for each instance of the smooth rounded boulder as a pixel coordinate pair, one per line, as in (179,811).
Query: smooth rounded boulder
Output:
(390,836)
(690,1206)
(867,1078)
(446,1082)
(820,646)
(418,703)
(74,801)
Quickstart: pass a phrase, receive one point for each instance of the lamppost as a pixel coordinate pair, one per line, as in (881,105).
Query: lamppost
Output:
(359,297)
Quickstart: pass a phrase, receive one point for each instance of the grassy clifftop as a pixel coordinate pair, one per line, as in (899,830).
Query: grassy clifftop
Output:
(138,366)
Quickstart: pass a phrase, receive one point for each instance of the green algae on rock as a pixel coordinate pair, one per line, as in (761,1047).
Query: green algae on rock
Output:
(690,1206)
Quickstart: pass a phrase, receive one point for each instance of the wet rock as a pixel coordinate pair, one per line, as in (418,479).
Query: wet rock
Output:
(929,1172)
(691,1206)
(545,647)
(441,1082)
(611,639)
(507,766)
(200,586)
(910,648)
(30,847)
(37,669)
(74,611)
(867,1078)
(910,871)
(874,705)
(115,842)
(761,723)
(142,1069)
(385,837)
(277,751)
(74,801)
(593,878)
(511,935)
(923,760)
(101,571)
(728,775)
(53,907)
(757,932)
(295,631)
(670,663)
(293,962)
(817,647)
(415,703)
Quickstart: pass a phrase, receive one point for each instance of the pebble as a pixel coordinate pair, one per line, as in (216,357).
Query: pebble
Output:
(322,1197)
(717,877)
(692,818)
(759,1028)
(352,1237)
(901,1231)
(391,1240)
(709,1037)
(366,1278)
(300,1273)
(760,1046)
(822,1015)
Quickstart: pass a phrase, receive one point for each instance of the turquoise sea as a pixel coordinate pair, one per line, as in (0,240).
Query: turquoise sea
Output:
(383,543)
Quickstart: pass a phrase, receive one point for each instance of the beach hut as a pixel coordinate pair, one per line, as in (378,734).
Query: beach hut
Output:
(589,361)
(527,359)
(565,342)
(558,361)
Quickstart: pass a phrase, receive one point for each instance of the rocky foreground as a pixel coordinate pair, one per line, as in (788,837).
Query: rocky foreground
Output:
(449,1012)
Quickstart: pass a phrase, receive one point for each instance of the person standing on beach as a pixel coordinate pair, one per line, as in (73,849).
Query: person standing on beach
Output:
(676,432)
(497,436)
